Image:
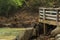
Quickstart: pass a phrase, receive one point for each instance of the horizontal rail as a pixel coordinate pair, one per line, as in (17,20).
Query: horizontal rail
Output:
(49,11)
(49,15)
(51,18)
(49,8)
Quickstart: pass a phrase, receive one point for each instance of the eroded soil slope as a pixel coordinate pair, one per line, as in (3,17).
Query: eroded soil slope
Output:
(20,19)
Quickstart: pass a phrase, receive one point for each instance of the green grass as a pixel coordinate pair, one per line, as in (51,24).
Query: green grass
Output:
(11,33)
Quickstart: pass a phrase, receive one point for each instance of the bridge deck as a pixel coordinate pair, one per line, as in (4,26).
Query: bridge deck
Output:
(50,22)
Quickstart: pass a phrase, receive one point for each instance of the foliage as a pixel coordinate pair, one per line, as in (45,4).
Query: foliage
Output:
(52,3)
(43,3)
(6,5)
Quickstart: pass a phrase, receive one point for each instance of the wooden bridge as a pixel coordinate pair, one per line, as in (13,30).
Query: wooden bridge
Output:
(49,16)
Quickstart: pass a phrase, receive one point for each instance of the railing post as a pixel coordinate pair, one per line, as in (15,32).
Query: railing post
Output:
(57,18)
(44,21)
(39,15)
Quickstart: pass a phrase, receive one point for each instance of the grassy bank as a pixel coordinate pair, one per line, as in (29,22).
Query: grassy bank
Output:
(11,33)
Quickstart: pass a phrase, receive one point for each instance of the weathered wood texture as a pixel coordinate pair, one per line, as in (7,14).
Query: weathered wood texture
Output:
(50,16)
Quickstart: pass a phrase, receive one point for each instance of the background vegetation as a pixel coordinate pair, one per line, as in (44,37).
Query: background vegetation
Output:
(6,6)
(23,11)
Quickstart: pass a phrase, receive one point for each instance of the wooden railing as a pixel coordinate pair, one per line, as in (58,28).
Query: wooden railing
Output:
(52,14)
(49,13)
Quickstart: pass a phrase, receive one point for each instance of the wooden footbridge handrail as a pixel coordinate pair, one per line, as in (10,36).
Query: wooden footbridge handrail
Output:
(50,14)
(49,8)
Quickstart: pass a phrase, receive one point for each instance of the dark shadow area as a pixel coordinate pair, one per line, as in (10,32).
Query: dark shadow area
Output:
(49,28)
(40,29)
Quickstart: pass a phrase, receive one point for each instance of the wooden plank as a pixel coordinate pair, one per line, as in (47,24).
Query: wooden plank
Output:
(50,11)
(51,18)
(57,18)
(48,22)
(44,21)
(49,15)
(50,8)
